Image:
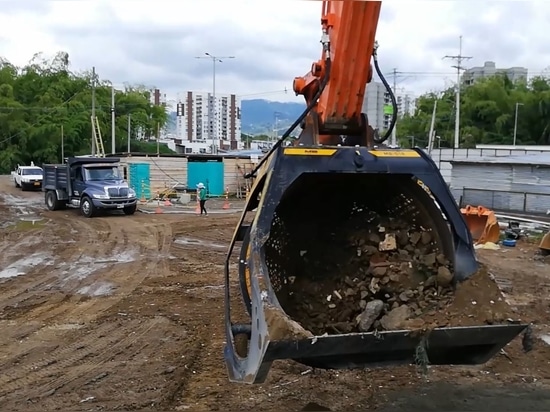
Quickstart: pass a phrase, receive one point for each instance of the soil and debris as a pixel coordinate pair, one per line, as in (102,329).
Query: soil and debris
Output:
(387,278)
(155,341)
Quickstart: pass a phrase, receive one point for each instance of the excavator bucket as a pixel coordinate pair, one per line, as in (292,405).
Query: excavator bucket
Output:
(482,223)
(544,244)
(336,231)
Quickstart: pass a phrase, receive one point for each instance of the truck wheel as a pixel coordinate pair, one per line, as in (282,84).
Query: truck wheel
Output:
(87,207)
(15,182)
(130,210)
(52,202)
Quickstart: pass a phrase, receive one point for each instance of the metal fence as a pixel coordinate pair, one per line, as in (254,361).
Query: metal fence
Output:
(503,201)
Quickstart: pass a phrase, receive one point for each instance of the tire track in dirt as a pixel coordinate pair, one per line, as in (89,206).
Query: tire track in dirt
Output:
(77,361)
(61,303)
(41,278)
(116,242)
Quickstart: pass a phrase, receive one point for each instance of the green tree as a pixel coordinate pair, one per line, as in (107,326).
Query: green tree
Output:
(38,99)
(487,114)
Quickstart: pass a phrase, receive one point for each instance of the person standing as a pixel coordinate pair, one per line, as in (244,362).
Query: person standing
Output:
(202,198)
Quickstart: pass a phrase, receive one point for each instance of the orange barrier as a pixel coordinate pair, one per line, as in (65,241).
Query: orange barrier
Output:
(482,223)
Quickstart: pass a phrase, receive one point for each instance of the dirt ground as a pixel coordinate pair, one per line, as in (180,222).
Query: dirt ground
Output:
(125,313)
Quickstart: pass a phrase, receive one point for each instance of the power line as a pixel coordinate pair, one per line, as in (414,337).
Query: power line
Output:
(459,59)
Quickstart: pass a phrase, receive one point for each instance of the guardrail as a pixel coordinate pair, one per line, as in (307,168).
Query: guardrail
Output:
(504,201)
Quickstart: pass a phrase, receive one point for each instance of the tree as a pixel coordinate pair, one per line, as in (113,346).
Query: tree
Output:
(39,98)
(487,114)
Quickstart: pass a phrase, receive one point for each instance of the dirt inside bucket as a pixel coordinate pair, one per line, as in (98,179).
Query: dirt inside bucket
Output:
(386,277)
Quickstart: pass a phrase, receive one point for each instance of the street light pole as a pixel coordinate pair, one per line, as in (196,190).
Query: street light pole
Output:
(516,123)
(213,118)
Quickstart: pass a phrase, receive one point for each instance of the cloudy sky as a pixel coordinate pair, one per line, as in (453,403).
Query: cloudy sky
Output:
(156,43)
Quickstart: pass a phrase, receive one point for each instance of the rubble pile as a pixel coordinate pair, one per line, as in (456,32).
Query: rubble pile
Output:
(384,278)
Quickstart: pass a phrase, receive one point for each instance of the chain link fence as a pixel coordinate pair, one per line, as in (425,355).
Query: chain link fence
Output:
(503,201)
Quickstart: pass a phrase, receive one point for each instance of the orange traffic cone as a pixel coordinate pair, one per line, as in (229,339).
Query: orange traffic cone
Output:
(159,209)
(198,208)
(226,203)
(167,202)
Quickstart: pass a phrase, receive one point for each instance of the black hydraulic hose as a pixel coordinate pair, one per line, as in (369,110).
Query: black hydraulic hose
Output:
(308,109)
(392,97)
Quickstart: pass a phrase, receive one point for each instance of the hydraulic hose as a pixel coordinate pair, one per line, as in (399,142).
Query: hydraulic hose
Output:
(392,98)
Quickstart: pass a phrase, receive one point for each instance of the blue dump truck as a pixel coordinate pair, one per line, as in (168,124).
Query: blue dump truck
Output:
(88,183)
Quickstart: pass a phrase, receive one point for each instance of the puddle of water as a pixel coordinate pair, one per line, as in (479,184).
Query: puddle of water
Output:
(66,326)
(32,219)
(80,271)
(207,287)
(97,289)
(185,241)
(21,266)
(87,265)
(10,200)
(29,224)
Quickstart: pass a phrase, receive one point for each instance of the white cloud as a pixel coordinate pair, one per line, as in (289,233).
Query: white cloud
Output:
(155,42)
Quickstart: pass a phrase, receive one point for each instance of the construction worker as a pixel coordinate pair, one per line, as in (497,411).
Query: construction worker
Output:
(201,193)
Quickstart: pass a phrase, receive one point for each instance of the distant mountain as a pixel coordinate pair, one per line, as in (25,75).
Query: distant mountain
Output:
(258,116)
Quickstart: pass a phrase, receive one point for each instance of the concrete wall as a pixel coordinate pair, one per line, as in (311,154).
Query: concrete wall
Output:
(502,187)
(165,171)
(169,171)
(442,157)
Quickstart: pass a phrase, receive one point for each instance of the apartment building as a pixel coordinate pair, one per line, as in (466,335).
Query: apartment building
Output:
(200,118)
(378,107)
(489,69)
(157,98)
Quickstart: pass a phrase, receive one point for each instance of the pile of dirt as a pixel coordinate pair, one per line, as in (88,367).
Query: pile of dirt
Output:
(387,278)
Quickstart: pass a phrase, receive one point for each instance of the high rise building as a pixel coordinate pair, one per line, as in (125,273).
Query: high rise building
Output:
(378,108)
(195,121)
(157,98)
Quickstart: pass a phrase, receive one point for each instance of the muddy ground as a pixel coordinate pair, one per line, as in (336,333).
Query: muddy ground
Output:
(125,313)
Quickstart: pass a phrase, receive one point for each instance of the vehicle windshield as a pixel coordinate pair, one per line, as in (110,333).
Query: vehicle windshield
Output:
(33,171)
(102,173)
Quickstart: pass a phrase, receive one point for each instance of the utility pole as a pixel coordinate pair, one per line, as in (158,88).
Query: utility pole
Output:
(459,59)
(394,131)
(432,126)
(129,133)
(93,110)
(62,146)
(212,107)
(516,122)
(113,138)
(158,139)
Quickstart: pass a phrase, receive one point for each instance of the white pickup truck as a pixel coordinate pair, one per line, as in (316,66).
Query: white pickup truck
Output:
(28,177)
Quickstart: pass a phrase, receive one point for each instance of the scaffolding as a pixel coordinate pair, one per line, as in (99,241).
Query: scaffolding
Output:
(243,185)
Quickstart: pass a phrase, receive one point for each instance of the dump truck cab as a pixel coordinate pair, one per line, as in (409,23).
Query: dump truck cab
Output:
(91,184)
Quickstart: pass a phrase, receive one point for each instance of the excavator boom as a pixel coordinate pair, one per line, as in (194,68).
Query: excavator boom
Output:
(351,243)
(349,30)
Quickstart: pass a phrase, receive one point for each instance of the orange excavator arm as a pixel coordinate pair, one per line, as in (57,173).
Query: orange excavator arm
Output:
(336,84)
